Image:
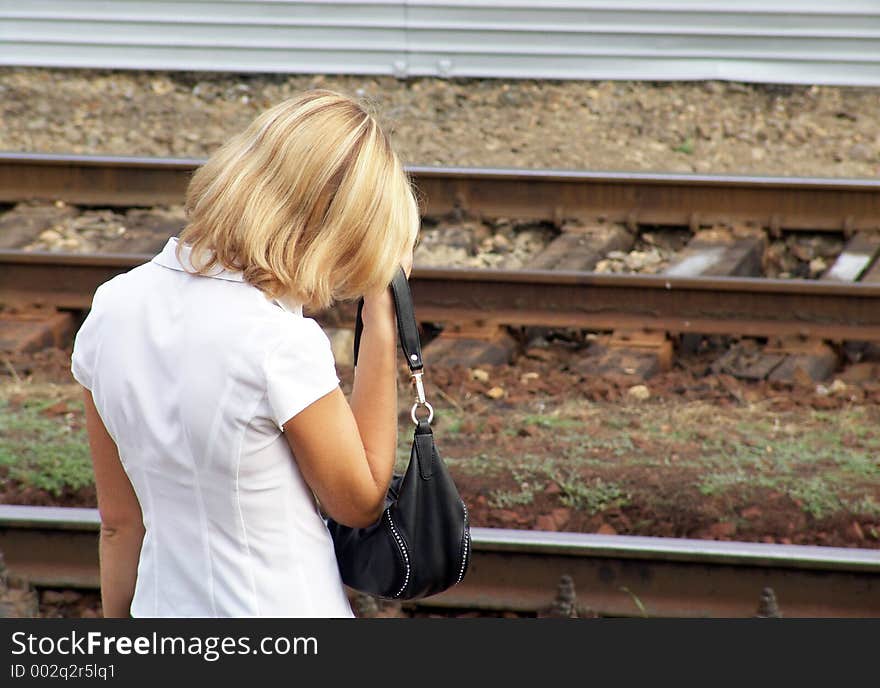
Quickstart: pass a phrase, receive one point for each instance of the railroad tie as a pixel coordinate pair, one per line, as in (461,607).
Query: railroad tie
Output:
(720,251)
(28,330)
(812,360)
(628,355)
(805,360)
(632,356)
(863,264)
(581,246)
(472,344)
(25,221)
(147,231)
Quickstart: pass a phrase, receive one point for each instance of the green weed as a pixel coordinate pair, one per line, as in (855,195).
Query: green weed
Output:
(46,453)
(866,506)
(551,421)
(686,146)
(594,497)
(816,496)
(528,488)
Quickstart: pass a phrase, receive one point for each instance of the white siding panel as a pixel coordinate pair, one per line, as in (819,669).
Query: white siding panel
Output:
(179,34)
(203,59)
(786,41)
(383,14)
(643,22)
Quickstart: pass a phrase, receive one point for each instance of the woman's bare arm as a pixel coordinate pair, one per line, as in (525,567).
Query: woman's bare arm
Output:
(122,526)
(346,451)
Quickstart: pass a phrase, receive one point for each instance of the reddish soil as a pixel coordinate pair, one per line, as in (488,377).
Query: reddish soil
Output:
(677,507)
(487,422)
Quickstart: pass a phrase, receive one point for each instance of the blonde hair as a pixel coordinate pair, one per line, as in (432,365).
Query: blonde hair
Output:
(309,202)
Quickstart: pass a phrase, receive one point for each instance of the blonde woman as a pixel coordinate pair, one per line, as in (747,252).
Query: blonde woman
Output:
(213,408)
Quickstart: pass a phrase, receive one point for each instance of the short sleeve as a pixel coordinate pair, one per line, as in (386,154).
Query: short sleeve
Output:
(85,346)
(299,369)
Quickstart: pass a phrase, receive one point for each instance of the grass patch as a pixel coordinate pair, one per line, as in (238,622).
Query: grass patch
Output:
(551,421)
(593,497)
(528,485)
(45,451)
(825,462)
(601,456)
(482,464)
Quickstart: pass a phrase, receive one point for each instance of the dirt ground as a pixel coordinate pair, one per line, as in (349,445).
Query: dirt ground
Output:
(705,127)
(549,444)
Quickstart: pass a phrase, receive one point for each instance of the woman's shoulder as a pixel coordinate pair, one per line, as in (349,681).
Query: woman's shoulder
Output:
(299,366)
(287,330)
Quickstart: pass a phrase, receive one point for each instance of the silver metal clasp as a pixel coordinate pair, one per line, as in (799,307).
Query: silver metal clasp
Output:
(420,387)
(420,400)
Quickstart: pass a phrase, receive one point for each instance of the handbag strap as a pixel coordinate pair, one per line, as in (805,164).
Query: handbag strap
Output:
(408,333)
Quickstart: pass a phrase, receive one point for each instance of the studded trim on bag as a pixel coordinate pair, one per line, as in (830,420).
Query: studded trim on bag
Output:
(466,544)
(403,551)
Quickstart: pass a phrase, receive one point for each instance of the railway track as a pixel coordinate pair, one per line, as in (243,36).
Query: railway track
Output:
(514,570)
(734,306)
(675,303)
(778,203)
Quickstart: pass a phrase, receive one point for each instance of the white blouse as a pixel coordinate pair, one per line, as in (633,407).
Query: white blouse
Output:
(193,377)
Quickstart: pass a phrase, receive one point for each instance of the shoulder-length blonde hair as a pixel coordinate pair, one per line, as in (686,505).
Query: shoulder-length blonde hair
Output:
(309,202)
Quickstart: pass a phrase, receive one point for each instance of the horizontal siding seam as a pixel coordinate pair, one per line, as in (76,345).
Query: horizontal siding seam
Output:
(428,53)
(646,31)
(792,33)
(759,9)
(210,45)
(201,21)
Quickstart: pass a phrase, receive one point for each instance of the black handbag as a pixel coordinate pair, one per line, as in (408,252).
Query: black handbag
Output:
(421,544)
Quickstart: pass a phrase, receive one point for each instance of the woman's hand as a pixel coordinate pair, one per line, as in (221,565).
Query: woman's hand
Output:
(381,304)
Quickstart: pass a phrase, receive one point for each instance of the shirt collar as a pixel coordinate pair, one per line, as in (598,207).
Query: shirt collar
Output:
(167,258)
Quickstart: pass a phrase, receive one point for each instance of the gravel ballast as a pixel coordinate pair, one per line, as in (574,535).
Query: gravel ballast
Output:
(704,127)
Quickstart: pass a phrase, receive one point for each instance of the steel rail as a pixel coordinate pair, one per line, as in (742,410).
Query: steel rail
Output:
(731,305)
(519,570)
(831,204)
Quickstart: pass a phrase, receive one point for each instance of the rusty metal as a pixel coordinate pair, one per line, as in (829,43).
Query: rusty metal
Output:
(53,547)
(749,307)
(58,280)
(663,199)
(94,180)
(565,603)
(730,306)
(777,203)
(518,570)
(768,608)
(668,577)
